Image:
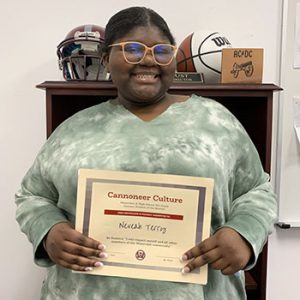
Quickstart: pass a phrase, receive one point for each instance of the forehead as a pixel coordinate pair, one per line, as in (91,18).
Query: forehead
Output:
(148,35)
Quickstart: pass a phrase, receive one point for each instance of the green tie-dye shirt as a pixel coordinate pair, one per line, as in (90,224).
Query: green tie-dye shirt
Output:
(198,137)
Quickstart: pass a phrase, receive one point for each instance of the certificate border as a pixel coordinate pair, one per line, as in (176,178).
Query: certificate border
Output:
(87,213)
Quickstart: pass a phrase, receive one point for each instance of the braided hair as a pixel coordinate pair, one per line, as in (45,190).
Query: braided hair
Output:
(127,19)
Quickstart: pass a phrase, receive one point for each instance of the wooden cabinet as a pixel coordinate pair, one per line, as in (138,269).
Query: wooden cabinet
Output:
(251,104)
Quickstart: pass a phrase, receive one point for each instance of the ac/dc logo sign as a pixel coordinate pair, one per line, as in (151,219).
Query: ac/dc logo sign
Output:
(247,67)
(140,254)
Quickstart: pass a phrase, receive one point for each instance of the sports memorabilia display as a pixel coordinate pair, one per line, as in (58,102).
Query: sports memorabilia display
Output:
(80,53)
(201,51)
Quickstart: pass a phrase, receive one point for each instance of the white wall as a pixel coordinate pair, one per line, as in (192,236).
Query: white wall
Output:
(289,163)
(32,29)
(284,244)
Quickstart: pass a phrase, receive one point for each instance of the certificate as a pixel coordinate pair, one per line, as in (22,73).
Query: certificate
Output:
(147,221)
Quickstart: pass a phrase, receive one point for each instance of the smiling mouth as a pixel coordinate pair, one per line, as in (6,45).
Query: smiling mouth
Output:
(146,77)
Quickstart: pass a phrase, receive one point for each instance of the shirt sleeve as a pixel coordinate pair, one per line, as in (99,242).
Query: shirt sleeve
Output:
(254,205)
(37,209)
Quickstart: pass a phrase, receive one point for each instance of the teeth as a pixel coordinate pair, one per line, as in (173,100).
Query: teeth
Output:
(145,76)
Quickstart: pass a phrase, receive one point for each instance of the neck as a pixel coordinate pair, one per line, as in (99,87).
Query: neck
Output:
(148,111)
(132,104)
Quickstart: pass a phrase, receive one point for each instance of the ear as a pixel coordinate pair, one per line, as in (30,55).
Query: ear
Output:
(105,60)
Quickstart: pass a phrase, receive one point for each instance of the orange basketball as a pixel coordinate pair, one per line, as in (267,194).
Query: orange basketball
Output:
(201,51)
(184,56)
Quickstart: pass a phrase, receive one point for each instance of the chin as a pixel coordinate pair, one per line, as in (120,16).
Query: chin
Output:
(148,98)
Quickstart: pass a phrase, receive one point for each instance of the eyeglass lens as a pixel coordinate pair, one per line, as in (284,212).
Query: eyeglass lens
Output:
(135,52)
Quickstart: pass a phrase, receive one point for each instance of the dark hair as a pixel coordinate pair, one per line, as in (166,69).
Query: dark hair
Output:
(127,19)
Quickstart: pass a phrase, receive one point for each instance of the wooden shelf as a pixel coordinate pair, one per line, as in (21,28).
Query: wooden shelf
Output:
(250,103)
(251,284)
(94,85)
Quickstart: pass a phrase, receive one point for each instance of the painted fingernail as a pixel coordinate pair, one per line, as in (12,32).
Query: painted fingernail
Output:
(183,257)
(185,270)
(88,269)
(98,264)
(103,255)
(101,247)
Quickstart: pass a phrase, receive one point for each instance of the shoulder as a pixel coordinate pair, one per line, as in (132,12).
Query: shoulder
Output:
(84,123)
(208,103)
(85,118)
(211,110)
(217,119)
(94,112)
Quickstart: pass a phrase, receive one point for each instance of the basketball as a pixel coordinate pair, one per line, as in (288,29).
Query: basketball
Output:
(201,51)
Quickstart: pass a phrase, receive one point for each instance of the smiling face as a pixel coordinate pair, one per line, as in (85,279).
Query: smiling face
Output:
(143,83)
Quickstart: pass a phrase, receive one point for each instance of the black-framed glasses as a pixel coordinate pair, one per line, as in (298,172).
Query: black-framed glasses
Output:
(135,52)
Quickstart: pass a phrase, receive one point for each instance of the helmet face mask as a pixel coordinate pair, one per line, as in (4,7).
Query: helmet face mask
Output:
(80,54)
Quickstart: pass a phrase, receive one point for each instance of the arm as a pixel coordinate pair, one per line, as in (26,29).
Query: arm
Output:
(37,209)
(47,226)
(253,210)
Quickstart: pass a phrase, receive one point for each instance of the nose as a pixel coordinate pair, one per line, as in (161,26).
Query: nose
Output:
(148,59)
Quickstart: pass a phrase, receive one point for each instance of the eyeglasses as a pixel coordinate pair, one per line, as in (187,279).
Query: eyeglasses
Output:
(135,52)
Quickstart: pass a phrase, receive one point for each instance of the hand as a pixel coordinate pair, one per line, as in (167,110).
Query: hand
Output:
(226,250)
(71,249)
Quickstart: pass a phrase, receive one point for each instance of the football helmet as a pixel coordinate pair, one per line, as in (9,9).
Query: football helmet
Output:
(80,53)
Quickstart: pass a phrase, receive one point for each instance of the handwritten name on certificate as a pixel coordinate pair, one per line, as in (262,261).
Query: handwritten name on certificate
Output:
(147,221)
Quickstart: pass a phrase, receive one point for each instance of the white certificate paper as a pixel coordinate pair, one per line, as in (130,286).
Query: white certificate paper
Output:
(147,221)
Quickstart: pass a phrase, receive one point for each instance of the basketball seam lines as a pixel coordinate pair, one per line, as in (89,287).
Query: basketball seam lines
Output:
(199,55)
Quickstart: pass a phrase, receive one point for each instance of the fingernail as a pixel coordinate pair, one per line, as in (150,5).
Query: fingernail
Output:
(185,270)
(103,255)
(88,269)
(183,257)
(98,264)
(101,247)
